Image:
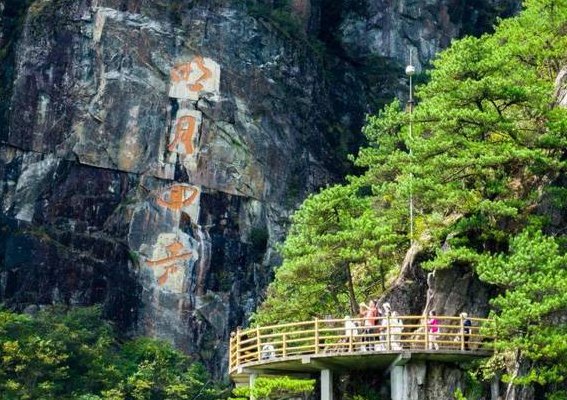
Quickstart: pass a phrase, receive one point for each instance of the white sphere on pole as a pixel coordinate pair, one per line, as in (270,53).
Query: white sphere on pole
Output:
(410,70)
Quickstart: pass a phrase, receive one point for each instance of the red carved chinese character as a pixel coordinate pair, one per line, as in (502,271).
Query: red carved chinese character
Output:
(181,74)
(174,255)
(178,197)
(184,131)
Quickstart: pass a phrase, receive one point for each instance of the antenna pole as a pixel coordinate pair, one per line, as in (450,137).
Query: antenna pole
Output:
(410,70)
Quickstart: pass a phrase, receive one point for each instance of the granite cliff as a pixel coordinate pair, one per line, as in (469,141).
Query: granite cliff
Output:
(151,151)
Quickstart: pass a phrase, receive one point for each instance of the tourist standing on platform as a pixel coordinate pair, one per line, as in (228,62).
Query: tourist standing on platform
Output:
(350,329)
(396,331)
(466,328)
(433,327)
(384,329)
(268,352)
(370,316)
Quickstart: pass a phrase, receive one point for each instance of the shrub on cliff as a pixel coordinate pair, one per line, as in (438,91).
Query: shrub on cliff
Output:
(276,388)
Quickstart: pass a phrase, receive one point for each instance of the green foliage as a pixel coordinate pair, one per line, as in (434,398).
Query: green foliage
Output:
(561,395)
(337,250)
(486,142)
(459,395)
(487,138)
(528,314)
(473,387)
(75,355)
(276,388)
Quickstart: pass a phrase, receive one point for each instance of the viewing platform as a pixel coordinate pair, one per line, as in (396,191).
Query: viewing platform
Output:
(328,346)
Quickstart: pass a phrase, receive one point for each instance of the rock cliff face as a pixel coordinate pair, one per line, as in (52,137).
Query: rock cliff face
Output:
(151,152)
(390,27)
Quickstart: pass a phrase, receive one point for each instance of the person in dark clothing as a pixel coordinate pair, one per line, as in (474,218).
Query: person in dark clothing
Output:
(467,324)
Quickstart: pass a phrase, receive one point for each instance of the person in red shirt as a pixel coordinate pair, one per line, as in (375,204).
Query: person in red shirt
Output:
(370,314)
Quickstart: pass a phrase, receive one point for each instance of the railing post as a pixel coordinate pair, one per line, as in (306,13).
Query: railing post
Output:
(426,333)
(284,345)
(238,334)
(462,333)
(388,333)
(316,335)
(231,351)
(258,342)
(350,339)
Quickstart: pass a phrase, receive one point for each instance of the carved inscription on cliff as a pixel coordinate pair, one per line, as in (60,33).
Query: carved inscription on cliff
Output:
(181,197)
(190,79)
(185,132)
(169,261)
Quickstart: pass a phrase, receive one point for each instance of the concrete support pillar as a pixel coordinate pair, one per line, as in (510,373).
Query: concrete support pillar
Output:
(397,382)
(251,381)
(407,381)
(326,384)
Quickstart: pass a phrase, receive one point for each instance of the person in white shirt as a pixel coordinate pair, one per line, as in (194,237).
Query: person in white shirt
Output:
(396,328)
(268,352)
(350,328)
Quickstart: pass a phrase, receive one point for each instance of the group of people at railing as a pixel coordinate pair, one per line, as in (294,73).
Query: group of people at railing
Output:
(387,325)
(373,329)
(375,323)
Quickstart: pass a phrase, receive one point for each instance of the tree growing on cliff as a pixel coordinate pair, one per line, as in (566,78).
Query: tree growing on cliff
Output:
(529,314)
(488,141)
(337,251)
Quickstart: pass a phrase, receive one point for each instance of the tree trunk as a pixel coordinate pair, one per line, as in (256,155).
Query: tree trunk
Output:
(511,390)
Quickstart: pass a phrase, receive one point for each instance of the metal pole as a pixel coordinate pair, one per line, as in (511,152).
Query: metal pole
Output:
(410,70)
(388,330)
(411,156)
(426,329)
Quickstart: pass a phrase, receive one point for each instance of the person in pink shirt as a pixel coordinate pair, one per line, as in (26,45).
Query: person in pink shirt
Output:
(433,327)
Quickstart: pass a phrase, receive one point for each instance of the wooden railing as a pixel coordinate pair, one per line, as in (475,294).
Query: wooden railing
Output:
(339,337)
